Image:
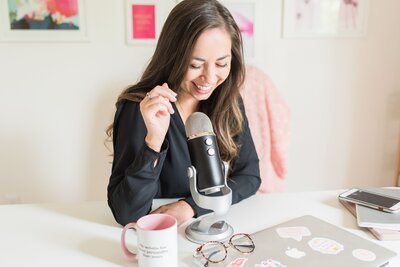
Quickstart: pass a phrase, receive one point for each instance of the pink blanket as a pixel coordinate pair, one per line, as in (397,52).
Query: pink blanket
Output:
(268,116)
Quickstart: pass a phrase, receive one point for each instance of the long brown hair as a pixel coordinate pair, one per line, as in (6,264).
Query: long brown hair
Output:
(171,59)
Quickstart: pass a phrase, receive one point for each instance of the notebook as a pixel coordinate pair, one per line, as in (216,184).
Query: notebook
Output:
(367,217)
(381,234)
(306,241)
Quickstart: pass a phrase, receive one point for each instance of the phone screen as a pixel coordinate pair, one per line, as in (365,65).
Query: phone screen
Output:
(383,201)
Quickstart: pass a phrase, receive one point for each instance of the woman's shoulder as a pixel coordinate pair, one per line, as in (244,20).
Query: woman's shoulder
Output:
(127,105)
(127,109)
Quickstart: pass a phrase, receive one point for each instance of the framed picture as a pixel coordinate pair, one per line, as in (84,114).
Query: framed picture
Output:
(244,14)
(42,20)
(143,22)
(325,18)
(243,11)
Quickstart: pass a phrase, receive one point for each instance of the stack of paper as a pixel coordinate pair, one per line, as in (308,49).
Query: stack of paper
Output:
(367,217)
(383,225)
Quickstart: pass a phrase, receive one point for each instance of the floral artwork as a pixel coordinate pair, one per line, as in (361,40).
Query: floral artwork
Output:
(43,14)
(43,21)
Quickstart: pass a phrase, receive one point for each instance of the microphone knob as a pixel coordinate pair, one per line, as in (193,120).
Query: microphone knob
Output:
(211,151)
(208,141)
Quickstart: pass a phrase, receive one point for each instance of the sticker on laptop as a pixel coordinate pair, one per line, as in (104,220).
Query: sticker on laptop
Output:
(270,263)
(295,253)
(364,254)
(238,262)
(325,245)
(297,232)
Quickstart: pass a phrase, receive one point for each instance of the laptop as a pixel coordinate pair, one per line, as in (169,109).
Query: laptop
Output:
(306,241)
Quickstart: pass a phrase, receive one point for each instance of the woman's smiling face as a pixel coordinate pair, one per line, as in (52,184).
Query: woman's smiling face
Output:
(209,66)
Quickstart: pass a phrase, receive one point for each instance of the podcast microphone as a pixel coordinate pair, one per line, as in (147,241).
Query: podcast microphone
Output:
(204,153)
(207,175)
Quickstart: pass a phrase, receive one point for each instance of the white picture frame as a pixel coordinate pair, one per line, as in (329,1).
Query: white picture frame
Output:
(143,22)
(325,18)
(244,13)
(14,27)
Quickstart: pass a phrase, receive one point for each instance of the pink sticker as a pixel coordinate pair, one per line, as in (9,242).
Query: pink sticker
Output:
(270,263)
(143,21)
(238,262)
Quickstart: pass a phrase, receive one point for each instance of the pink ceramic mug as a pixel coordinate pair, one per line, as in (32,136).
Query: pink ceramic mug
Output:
(157,241)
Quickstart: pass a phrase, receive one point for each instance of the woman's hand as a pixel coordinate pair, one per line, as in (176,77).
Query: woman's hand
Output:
(156,109)
(181,210)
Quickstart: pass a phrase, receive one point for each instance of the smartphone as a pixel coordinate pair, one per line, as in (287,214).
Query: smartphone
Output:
(371,199)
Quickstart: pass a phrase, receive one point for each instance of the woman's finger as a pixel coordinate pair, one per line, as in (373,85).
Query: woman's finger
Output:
(162,90)
(158,101)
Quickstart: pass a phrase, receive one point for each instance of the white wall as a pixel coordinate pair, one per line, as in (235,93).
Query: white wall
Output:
(345,100)
(56,99)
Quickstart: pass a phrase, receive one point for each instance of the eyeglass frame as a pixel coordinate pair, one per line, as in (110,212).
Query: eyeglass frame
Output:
(199,249)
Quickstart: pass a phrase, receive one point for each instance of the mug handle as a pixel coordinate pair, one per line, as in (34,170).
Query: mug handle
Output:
(127,252)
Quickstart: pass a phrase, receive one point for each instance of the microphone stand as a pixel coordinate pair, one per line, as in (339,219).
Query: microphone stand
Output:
(210,227)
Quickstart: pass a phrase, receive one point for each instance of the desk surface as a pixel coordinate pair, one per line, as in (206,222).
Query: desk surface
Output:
(85,234)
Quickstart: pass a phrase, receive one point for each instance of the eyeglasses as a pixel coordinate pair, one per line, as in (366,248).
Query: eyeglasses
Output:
(216,252)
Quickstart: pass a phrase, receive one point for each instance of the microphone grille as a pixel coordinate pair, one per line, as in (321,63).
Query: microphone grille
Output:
(197,124)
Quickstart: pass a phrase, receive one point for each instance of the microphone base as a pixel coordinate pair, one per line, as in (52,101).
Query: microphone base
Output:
(219,231)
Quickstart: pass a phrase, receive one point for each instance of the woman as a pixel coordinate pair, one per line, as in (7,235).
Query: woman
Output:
(197,66)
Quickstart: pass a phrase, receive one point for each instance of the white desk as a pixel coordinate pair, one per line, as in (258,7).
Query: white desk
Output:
(85,234)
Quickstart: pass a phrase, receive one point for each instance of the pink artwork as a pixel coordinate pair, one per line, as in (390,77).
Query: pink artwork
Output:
(43,20)
(143,21)
(43,14)
(67,8)
(349,13)
(243,13)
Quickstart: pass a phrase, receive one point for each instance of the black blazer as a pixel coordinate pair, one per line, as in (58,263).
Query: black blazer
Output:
(135,182)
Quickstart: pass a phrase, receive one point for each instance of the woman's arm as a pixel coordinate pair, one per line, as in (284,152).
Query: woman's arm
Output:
(245,178)
(134,180)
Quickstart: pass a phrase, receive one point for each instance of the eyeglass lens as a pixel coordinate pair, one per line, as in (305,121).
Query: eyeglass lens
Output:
(214,251)
(242,243)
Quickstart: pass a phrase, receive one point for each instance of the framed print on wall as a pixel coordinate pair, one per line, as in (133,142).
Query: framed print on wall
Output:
(325,18)
(42,20)
(243,11)
(244,14)
(143,22)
